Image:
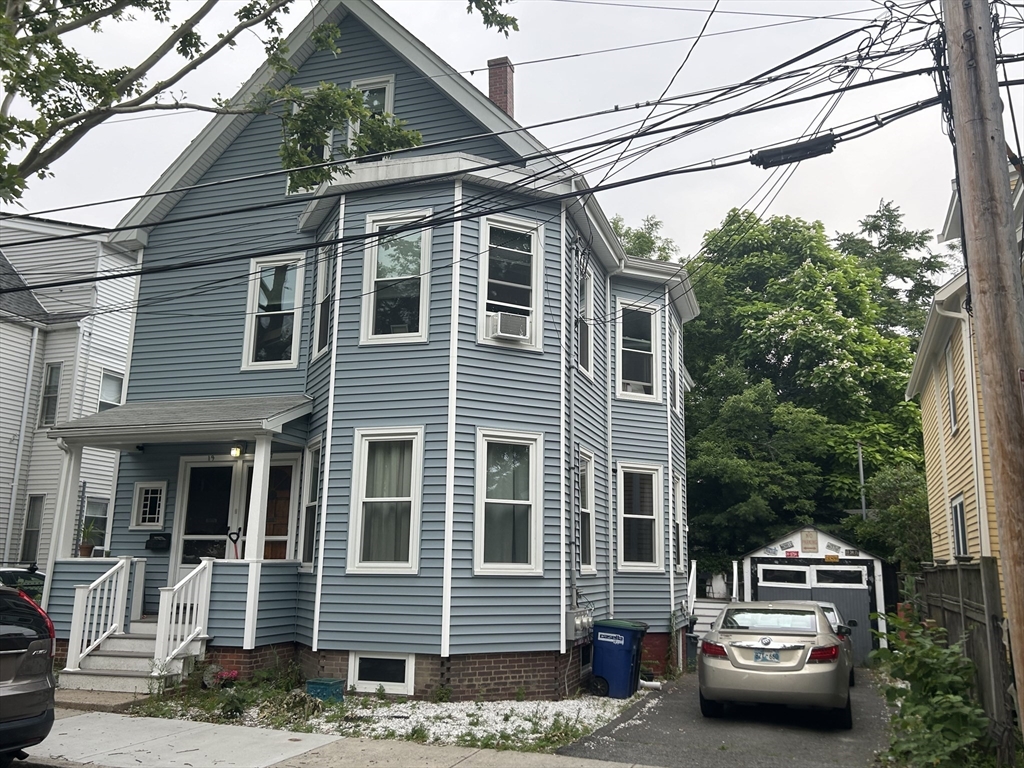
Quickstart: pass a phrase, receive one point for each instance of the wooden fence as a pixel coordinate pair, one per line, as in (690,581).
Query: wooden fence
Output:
(964,598)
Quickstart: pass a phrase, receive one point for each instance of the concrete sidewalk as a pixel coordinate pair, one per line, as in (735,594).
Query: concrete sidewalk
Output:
(118,741)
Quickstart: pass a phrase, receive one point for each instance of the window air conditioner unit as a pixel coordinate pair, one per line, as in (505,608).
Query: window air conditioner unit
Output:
(505,325)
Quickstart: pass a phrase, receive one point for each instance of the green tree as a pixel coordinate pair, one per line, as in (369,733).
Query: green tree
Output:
(793,323)
(645,242)
(53,94)
(899,528)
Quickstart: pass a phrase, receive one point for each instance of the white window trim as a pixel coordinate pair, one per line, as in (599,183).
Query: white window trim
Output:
(42,395)
(328,152)
(308,481)
(679,490)
(370,686)
(135,525)
(956,501)
(536,231)
(120,393)
(587,318)
(373,221)
(655,352)
(659,522)
(592,568)
(324,260)
(815,569)
(359,453)
(676,356)
(366,83)
(802,568)
(255,265)
(954,422)
(535,567)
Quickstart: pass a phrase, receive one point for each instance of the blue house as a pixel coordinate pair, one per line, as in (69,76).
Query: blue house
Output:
(412,429)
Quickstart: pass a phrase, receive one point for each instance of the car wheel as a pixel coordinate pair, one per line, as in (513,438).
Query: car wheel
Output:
(598,686)
(843,718)
(710,708)
(853,680)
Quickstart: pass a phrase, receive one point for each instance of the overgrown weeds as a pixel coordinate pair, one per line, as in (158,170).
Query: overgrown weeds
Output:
(937,722)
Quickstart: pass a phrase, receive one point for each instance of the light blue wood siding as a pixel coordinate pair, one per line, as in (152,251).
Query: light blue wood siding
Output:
(66,575)
(639,434)
(227,603)
(305,602)
(275,620)
(516,390)
(591,427)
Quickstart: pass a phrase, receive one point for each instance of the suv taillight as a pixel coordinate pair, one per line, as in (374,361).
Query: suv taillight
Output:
(712,649)
(824,654)
(49,624)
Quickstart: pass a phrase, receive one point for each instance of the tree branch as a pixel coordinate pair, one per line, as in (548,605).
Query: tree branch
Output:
(170,106)
(224,41)
(84,21)
(166,47)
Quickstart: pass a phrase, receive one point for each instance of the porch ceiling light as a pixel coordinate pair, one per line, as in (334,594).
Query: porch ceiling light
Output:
(236,451)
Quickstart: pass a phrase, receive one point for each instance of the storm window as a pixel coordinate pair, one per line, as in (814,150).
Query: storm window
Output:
(639,518)
(395,285)
(508,520)
(274,313)
(637,353)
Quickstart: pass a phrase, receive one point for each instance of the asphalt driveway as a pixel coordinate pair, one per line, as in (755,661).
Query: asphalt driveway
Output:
(667,729)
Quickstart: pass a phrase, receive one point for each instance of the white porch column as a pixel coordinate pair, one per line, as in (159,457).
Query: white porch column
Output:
(62,535)
(256,533)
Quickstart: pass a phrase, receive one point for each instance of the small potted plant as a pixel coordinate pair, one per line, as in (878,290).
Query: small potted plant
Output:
(90,538)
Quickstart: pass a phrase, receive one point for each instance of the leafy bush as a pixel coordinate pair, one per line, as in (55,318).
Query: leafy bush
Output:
(938,724)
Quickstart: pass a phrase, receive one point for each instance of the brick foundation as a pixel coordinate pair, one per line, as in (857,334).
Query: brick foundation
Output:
(469,677)
(657,652)
(248,661)
(60,656)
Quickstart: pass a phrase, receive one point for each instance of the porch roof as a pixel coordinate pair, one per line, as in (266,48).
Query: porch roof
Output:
(178,421)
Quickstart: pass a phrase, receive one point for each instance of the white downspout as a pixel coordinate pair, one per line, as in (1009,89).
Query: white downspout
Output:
(980,495)
(671,538)
(21,442)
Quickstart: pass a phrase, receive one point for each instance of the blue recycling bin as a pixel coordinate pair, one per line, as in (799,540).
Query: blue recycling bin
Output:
(616,659)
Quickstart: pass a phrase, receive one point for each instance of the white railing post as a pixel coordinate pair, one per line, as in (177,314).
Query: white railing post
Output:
(77,627)
(691,588)
(121,598)
(204,596)
(139,589)
(735,580)
(163,627)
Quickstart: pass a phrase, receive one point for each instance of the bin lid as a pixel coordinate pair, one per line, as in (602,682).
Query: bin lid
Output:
(621,624)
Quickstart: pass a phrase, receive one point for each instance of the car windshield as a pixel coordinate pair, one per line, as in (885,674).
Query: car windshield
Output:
(770,618)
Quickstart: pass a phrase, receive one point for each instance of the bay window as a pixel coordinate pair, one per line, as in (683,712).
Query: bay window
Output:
(396,285)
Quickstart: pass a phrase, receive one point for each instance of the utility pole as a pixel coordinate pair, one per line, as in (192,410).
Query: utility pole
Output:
(995,282)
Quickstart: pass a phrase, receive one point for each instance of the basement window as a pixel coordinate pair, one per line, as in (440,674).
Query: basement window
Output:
(395,672)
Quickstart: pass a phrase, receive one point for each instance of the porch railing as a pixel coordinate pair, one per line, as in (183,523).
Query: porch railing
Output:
(99,611)
(691,588)
(184,614)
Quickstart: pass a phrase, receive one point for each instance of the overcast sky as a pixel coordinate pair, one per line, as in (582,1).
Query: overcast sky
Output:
(909,162)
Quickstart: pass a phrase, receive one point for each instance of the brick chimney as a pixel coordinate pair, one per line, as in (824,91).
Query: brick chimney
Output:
(500,84)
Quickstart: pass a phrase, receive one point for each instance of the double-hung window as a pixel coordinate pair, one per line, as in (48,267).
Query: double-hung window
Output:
(386,499)
(274,316)
(110,391)
(640,539)
(638,353)
(959,522)
(508,532)
(51,394)
(587,564)
(585,322)
(322,314)
(951,388)
(30,532)
(378,98)
(396,284)
(307,534)
(510,282)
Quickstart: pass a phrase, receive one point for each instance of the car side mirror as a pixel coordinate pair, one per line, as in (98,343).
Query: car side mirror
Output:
(842,630)
(851,623)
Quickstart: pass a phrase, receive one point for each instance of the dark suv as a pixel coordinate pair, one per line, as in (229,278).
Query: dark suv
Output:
(26,674)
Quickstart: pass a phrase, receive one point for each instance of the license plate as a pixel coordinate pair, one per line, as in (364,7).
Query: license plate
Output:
(771,657)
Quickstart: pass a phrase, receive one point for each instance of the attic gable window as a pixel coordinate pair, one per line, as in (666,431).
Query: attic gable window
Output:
(274,313)
(378,97)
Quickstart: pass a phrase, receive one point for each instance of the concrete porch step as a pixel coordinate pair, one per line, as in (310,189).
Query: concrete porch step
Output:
(131,661)
(145,626)
(125,681)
